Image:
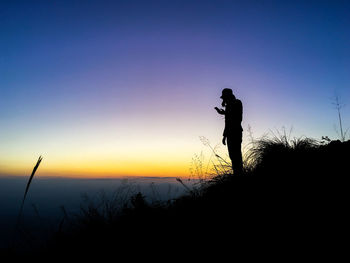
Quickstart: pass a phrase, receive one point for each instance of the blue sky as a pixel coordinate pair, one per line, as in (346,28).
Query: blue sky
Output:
(106,85)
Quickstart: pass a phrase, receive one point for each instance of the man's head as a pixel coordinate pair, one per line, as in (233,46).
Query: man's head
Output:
(227,95)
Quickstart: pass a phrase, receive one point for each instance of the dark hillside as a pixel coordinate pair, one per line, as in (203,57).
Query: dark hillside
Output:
(292,190)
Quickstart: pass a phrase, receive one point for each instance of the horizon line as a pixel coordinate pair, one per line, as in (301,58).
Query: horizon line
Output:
(108,177)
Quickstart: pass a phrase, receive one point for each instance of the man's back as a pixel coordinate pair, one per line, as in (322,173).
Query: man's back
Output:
(233,116)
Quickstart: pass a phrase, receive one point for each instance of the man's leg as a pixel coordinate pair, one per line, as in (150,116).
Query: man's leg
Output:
(235,153)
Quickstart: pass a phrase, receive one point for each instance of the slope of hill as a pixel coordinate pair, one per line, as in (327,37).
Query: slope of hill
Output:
(290,191)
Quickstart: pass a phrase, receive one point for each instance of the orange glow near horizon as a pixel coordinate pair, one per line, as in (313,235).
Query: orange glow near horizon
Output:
(101,168)
(105,171)
(100,154)
(106,158)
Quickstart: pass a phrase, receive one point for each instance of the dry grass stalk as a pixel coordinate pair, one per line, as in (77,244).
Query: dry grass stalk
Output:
(27,187)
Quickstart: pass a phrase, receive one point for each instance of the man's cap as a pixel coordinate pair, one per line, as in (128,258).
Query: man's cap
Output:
(226,93)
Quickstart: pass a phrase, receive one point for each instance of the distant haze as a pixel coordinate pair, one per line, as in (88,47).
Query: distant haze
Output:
(47,196)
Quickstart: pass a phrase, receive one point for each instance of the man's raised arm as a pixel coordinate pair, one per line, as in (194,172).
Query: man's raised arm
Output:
(220,111)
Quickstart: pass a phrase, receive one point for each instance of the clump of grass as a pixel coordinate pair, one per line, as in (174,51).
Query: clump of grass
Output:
(267,150)
(105,209)
(215,166)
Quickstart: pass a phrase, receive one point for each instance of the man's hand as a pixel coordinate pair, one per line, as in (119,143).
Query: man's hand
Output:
(224,140)
(220,111)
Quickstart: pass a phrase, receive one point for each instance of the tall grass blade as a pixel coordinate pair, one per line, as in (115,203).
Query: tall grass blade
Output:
(27,187)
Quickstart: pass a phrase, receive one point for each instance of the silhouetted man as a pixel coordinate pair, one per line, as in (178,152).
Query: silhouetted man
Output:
(233,129)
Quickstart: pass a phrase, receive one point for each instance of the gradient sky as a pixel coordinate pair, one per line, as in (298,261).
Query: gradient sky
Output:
(110,88)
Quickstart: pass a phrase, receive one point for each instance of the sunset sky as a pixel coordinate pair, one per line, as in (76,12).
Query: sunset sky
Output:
(115,88)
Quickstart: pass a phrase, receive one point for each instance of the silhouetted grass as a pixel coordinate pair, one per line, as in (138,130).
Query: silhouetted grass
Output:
(27,188)
(289,187)
(281,152)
